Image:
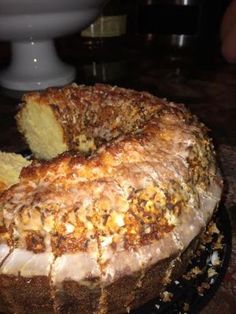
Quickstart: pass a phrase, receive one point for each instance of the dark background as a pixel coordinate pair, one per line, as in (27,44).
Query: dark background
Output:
(153,29)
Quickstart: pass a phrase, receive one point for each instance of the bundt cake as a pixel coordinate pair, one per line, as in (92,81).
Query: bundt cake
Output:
(11,165)
(105,232)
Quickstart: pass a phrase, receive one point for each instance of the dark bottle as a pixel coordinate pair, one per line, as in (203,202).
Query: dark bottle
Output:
(178,23)
(111,24)
(104,42)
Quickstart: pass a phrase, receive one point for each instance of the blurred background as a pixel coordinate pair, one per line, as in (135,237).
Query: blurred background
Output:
(129,32)
(117,46)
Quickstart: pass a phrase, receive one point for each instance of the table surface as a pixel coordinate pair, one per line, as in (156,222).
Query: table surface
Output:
(203,81)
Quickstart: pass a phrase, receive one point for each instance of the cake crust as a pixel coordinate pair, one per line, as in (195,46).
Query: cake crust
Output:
(26,295)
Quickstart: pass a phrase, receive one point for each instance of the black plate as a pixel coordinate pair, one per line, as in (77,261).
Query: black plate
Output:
(191,295)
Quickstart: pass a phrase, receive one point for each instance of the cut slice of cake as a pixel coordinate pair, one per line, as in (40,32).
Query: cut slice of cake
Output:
(11,165)
(41,128)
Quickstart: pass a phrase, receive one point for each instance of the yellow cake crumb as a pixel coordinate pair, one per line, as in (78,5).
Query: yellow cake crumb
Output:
(11,165)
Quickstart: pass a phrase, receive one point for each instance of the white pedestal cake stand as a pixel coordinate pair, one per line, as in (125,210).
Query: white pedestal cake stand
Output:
(31,25)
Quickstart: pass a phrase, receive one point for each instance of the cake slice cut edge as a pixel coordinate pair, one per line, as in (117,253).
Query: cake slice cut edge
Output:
(41,129)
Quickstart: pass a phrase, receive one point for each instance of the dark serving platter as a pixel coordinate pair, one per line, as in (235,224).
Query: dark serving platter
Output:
(203,276)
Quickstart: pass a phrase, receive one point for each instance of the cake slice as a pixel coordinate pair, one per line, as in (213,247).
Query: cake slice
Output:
(11,165)
(40,127)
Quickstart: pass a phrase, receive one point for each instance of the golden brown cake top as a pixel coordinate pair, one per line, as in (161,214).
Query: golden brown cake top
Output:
(97,113)
(130,192)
